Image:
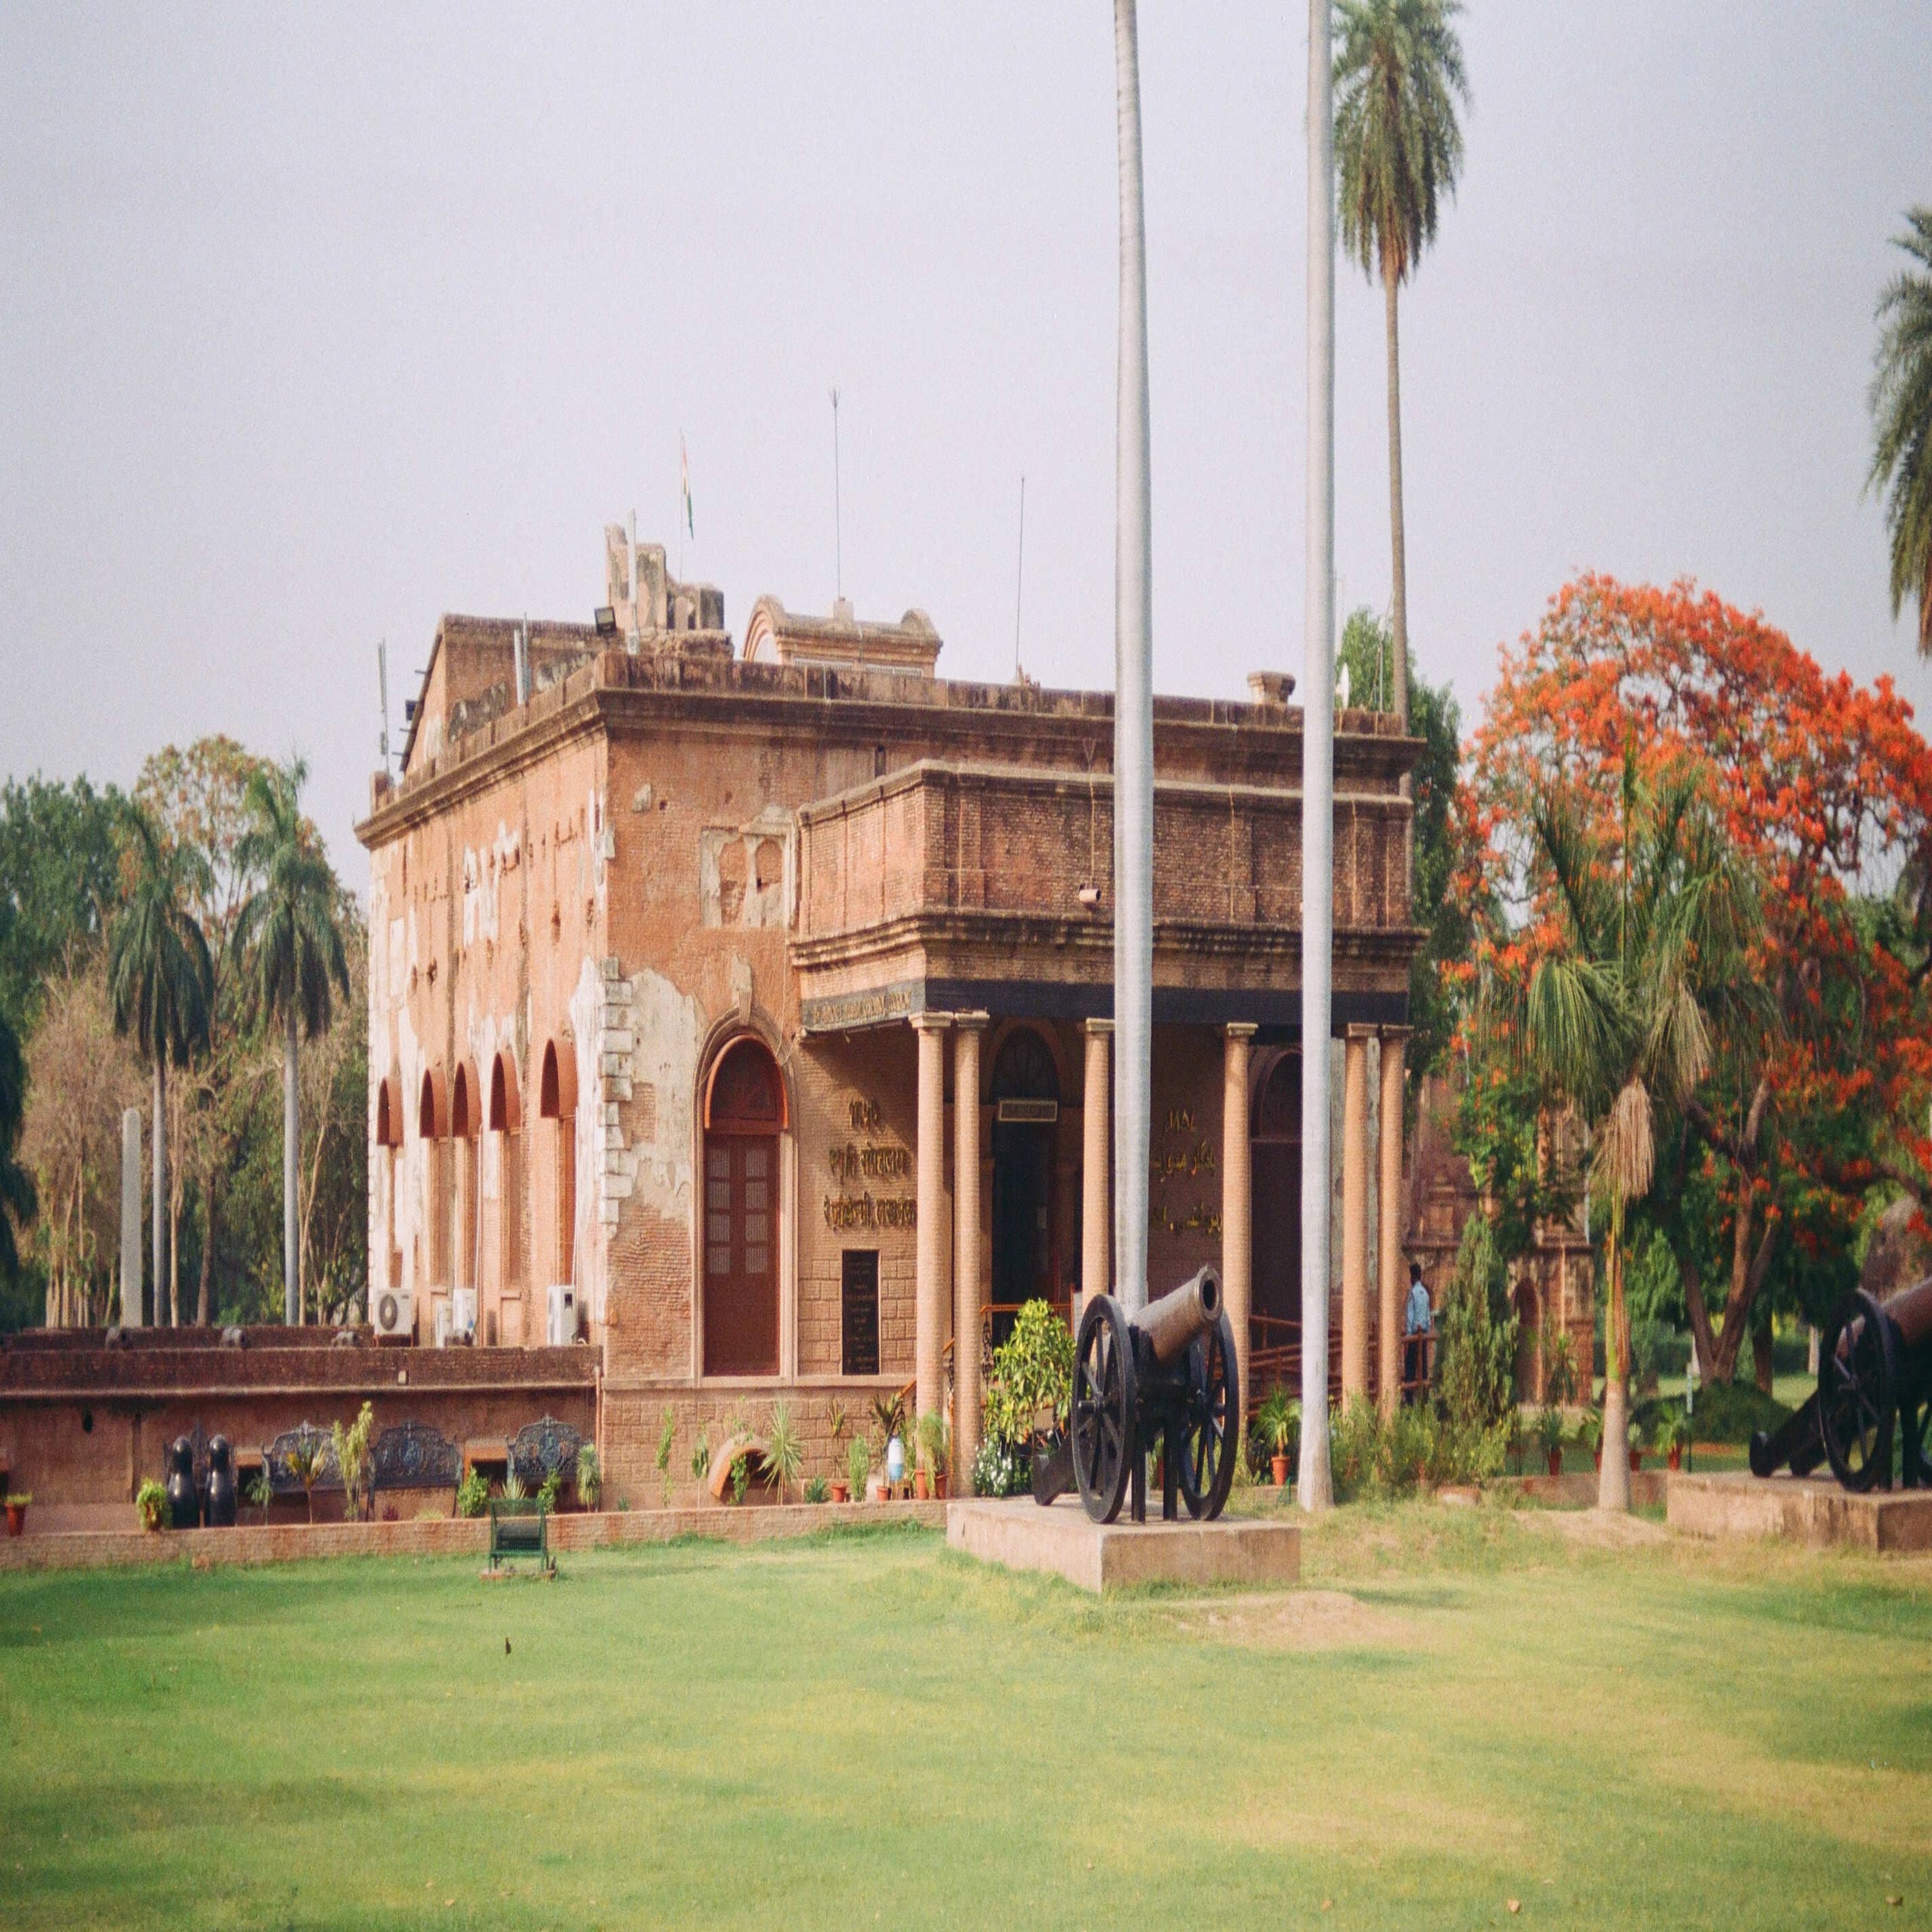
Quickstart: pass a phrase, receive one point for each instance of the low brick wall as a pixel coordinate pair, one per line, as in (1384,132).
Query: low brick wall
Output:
(291,1543)
(1577,1490)
(1800,1508)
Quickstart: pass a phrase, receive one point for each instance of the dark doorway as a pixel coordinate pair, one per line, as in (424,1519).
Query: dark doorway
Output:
(744,1111)
(1276,1324)
(1026,1096)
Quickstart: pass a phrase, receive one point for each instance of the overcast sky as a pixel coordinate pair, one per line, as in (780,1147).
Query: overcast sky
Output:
(316,323)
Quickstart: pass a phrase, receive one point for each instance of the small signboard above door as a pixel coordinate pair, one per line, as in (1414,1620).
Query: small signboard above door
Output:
(1040,1112)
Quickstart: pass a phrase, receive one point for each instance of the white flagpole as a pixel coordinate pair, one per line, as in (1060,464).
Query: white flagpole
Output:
(1315,1479)
(1134,705)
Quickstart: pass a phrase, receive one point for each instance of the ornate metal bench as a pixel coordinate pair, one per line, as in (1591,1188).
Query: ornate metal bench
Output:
(540,1450)
(280,1458)
(521,1527)
(411,1455)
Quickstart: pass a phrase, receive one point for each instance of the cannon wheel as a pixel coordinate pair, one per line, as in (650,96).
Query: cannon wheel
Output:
(1103,1417)
(1858,1392)
(1207,1459)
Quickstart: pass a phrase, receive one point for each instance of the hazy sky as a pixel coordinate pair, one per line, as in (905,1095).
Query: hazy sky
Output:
(316,323)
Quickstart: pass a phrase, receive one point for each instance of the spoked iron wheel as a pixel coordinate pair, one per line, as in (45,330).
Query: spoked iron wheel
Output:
(1103,1408)
(1858,1392)
(1209,1448)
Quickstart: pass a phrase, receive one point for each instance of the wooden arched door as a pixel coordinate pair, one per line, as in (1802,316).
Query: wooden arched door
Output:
(1277,1183)
(744,1115)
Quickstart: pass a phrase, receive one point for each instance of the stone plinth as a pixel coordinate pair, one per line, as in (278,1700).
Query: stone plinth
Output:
(1805,1508)
(1062,1540)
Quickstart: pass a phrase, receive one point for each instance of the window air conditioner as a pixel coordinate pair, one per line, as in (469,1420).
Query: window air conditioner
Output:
(562,1329)
(393,1312)
(463,1315)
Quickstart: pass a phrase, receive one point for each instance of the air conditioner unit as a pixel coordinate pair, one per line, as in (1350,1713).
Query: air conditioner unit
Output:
(392,1310)
(463,1315)
(440,1318)
(562,1329)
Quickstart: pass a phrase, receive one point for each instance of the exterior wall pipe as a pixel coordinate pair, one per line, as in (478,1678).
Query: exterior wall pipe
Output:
(1134,705)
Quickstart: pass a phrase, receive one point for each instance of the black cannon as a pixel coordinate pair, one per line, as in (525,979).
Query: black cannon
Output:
(1163,1379)
(1875,1375)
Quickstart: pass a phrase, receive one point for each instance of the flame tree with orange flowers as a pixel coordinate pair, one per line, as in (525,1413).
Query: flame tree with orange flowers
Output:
(1814,1099)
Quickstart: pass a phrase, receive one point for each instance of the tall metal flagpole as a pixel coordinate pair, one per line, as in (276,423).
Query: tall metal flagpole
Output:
(1133,705)
(1315,1480)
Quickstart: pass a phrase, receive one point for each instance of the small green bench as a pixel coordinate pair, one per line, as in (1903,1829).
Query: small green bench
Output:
(521,1527)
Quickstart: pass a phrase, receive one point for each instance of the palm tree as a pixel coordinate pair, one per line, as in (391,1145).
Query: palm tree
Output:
(1651,925)
(17,1204)
(287,948)
(1398,76)
(161,977)
(1901,403)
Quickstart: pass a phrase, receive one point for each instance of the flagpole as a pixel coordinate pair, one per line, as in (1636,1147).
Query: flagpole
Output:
(1315,1479)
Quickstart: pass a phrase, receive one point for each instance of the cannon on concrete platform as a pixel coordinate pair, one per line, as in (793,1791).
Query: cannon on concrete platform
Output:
(1875,1379)
(1163,1379)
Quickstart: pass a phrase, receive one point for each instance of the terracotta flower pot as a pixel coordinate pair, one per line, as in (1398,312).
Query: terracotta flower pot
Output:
(939,1485)
(841,1492)
(1596,1460)
(1556,1462)
(1636,1460)
(1675,1458)
(922,1485)
(1277,1467)
(16,1518)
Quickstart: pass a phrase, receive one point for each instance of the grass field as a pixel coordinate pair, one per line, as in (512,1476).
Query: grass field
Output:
(1461,1708)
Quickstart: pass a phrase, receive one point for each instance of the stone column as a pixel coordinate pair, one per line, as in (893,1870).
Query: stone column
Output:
(1237,1199)
(929,1300)
(967,1028)
(1388,1234)
(1096,1152)
(1355,1214)
(130,1218)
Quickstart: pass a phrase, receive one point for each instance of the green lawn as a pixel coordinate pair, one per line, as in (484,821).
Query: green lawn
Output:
(1461,1708)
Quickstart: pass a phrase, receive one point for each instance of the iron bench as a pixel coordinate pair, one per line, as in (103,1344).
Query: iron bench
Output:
(521,1527)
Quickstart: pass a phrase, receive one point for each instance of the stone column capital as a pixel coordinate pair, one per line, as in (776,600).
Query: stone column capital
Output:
(972,1023)
(1357,1030)
(930,1022)
(1394,1036)
(1240,1029)
(1096,1028)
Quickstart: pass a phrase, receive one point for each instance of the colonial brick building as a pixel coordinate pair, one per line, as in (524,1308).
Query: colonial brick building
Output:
(746,1014)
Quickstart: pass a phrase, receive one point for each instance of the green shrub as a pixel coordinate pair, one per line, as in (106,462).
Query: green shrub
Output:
(785,1449)
(1032,1372)
(351,1459)
(666,1436)
(858,1466)
(1001,1469)
(589,1477)
(1277,1423)
(151,1504)
(1723,1412)
(472,1494)
(1476,1357)
(817,1489)
(1379,1459)
(549,1491)
(701,1456)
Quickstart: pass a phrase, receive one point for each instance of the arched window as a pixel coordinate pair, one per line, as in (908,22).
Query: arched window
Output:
(465,1126)
(506,1123)
(556,1100)
(1026,1133)
(389,1145)
(1023,1068)
(1276,1180)
(432,1129)
(744,1113)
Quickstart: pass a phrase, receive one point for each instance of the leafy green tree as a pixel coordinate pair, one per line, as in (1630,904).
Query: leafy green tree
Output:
(1368,652)
(289,949)
(1901,402)
(1476,1358)
(161,977)
(59,860)
(1398,77)
(1645,928)
(16,1189)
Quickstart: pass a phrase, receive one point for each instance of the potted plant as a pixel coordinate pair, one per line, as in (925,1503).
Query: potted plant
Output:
(817,1489)
(932,1446)
(151,1504)
(858,1466)
(590,1475)
(261,1493)
(1673,1436)
(17,1511)
(1279,1420)
(1589,1432)
(784,1449)
(1549,1434)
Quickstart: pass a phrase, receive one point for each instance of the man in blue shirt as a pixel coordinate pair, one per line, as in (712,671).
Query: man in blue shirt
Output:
(1417,1317)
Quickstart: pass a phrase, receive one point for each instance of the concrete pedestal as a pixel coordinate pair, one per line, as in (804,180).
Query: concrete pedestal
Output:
(1063,1541)
(1805,1509)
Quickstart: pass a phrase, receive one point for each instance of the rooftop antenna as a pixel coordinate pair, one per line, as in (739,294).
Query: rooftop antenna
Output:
(1019,579)
(838,525)
(382,686)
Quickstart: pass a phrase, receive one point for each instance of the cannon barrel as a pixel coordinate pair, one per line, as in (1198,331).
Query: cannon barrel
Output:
(1172,1324)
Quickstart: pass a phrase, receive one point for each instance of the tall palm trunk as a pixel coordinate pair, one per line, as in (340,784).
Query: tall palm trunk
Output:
(1399,567)
(291,1144)
(158,1217)
(202,1310)
(1613,1475)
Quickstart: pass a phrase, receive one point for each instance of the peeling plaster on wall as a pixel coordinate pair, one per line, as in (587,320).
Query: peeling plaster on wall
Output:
(738,885)
(483,873)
